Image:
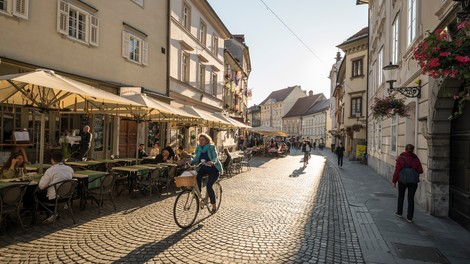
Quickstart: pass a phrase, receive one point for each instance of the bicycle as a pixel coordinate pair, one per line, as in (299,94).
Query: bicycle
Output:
(190,200)
(306,158)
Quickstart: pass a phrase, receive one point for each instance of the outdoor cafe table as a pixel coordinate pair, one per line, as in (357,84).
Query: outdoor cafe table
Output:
(84,178)
(129,161)
(132,172)
(35,167)
(89,163)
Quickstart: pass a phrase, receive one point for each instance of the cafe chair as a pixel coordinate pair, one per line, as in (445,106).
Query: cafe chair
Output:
(245,162)
(167,179)
(150,183)
(64,192)
(106,188)
(11,200)
(121,177)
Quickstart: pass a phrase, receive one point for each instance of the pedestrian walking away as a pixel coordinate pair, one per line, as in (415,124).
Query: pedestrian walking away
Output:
(340,153)
(407,170)
(85,142)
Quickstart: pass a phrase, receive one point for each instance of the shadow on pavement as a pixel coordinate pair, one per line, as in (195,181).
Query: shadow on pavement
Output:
(146,252)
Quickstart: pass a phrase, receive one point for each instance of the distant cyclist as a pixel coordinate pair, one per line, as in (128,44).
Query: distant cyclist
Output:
(206,153)
(306,147)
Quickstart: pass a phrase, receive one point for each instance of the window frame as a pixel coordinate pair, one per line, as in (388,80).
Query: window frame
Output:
(139,2)
(142,48)
(215,44)
(380,65)
(16,8)
(394,135)
(355,70)
(202,76)
(185,63)
(214,79)
(186,17)
(356,102)
(395,38)
(202,34)
(91,24)
(412,22)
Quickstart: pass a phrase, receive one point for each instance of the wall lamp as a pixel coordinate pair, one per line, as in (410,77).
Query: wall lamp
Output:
(391,76)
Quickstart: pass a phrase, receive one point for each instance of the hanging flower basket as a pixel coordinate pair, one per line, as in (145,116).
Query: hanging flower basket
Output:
(442,54)
(388,106)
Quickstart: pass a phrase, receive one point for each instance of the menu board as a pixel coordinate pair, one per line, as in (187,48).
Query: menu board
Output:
(98,125)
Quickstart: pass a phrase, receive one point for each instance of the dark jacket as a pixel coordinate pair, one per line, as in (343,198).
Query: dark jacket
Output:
(339,151)
(86,139)
(411,159)
(304,146)
(142,153)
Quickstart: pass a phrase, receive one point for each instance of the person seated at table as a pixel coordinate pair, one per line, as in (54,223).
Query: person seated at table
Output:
(164,157)
(56,173)
(227,160)
(14,167)
(155,150)
(23,151)
(182,157)
(273,144)
(142,153)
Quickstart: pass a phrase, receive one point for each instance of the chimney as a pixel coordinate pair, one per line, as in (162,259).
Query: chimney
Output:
(310,93)
(240,38)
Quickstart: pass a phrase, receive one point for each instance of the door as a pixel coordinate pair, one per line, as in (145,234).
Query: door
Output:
(127,139)
(460,169)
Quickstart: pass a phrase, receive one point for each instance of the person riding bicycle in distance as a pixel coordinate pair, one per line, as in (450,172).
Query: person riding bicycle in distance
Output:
(206,153)
(306,148)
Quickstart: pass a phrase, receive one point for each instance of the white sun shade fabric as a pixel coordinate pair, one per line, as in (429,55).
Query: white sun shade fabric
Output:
(165,110)
(232,121)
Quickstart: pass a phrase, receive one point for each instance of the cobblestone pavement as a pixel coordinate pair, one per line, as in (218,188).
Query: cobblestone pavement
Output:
(278,212)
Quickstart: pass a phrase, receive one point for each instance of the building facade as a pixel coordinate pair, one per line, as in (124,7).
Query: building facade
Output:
(350,94)
(99,43)
(292,121)
(396,29)
(277,104)
(316,123)
(196,65)
(254,115)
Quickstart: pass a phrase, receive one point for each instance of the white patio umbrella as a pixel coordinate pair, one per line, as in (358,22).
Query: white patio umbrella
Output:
(207,117)
(232,121)
(46,91)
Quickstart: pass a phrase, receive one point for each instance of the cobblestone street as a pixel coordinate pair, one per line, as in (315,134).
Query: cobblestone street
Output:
(276,213)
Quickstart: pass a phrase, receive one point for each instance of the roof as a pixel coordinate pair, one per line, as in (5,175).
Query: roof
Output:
(360,34)
(280,95)
(302,105)
(318,107)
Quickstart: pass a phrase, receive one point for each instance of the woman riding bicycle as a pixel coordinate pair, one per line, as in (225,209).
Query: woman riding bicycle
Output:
(206,153)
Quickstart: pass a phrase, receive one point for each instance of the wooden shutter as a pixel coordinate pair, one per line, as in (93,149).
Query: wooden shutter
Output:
(94,31)
(62,17)
(145,52)
(125,44)
(21,8)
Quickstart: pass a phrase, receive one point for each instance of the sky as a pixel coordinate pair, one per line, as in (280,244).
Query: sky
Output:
(278,58)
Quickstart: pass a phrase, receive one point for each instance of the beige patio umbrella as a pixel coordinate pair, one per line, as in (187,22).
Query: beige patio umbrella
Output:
(232,121)
(207,118)
(46,91)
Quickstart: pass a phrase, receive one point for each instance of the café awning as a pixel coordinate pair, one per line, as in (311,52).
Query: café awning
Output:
(207,118)
(268,131)
(232,121)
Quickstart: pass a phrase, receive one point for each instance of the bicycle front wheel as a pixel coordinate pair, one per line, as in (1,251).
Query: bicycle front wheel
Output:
(218,196)
(186,209)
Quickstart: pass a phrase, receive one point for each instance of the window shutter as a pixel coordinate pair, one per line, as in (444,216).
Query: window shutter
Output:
(94,31)
(145,52)
(62,17)
(20,8)
(125,44)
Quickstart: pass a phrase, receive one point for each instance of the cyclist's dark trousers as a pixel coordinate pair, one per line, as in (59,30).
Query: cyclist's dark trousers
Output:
(340,160)
(213,176)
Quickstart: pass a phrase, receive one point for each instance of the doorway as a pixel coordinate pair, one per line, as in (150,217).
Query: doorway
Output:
(459,190)
(127,139)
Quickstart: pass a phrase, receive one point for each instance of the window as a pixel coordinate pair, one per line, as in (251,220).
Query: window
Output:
(394,134)
(379,135)
(139,2)
(215,44)
(395,39)
(202,33)
(18,8)
(202,76)
(184,67)
(134,48)
(186,17)
(412,22)
(380,65)
(357,68)
(77,24)
(356,106)
(214,83)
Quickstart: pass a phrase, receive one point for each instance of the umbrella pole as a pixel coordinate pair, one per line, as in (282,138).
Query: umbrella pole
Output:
(41,140)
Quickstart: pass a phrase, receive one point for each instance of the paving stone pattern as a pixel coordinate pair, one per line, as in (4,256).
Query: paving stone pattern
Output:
(278,212)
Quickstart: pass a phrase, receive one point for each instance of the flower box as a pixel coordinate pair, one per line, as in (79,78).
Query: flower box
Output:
(388,106)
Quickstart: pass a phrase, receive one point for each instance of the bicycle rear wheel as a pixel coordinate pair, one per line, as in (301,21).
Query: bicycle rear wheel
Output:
(218,196)
(186,209)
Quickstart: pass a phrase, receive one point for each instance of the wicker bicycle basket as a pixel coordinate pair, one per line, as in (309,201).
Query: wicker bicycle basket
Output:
(186,181)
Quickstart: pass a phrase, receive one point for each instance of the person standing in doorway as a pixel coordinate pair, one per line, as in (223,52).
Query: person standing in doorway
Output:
(85,142)
(407,161)
(340,153)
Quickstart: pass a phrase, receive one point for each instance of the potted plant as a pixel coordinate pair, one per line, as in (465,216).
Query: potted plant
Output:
(442,54)
(388,106)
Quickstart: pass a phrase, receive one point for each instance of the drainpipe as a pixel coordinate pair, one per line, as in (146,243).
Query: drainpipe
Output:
(416,122)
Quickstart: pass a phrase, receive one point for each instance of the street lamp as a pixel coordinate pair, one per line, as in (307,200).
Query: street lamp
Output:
(391,76)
